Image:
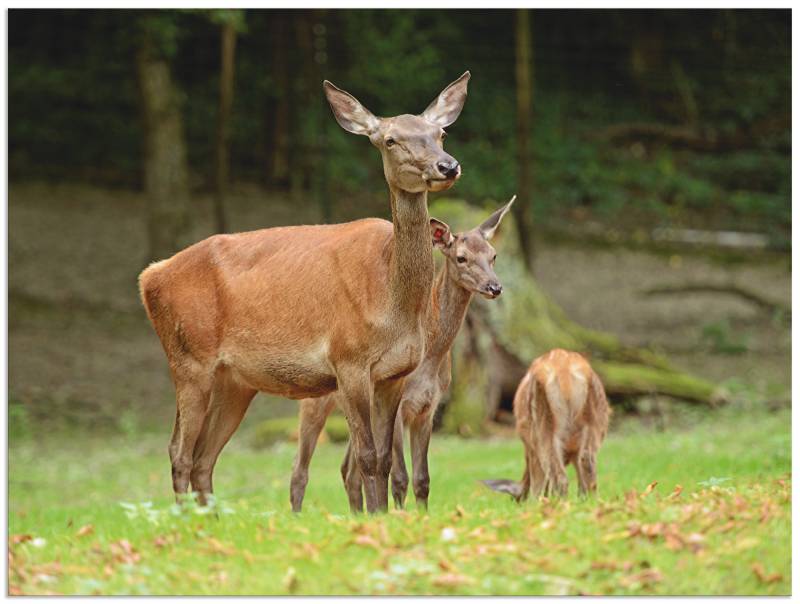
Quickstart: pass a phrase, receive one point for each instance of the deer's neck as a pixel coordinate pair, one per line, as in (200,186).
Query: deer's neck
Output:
(412,258)
(449,303)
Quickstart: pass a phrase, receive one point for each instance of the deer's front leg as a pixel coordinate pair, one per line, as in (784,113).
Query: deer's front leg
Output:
(387,401)
(355,390)
(351,477)
(420,438)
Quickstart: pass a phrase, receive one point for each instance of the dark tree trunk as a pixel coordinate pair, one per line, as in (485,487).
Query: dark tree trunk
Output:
(278,167)
(226,79)
(524,68)
(166,177)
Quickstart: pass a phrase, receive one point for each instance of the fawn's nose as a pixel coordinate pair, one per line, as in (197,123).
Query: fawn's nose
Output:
(449,169)
(495,289)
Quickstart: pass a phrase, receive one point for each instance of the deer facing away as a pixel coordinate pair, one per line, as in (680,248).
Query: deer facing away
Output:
(468,269)
(307,310)
(562,415)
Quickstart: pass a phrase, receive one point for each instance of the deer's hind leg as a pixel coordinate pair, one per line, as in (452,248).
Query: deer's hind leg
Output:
(193,385)
(313,415)
(586,463)
(229,403)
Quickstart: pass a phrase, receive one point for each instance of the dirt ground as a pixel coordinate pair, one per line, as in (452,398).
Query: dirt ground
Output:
(80,346)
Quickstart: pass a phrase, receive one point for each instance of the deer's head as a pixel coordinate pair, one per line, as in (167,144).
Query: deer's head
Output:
(411,145)
(470,255)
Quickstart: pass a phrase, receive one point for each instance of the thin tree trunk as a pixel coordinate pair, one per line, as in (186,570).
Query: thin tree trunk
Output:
(166,178)
(226,79)
(524,67)
(278,169)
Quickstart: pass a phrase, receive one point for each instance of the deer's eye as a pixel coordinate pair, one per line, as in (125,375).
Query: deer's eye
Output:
(461,259)
(390,142)
(494,258)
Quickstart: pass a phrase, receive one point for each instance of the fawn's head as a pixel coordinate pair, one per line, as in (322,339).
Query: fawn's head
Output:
(411,145)
(470,255)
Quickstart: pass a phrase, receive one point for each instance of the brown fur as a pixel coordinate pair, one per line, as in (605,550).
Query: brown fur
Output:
(422,390)
(562,417)
(302,311)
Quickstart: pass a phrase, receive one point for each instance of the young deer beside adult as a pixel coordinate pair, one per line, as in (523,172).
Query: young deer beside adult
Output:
(307,310)
(562,417)
(468,269)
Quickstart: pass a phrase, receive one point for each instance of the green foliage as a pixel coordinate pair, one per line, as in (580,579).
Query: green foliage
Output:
(285,429)
(275,430)
(721,337)
(19,422)
(73,102)
(705,509)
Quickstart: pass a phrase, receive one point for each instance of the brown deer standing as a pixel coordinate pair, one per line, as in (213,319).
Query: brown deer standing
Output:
(468,269)
(307,310)
(562,417)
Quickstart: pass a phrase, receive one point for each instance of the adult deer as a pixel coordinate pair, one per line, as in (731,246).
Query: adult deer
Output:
(468,269)
(562,417)
(307,310)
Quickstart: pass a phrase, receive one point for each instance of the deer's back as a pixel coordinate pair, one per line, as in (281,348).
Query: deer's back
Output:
(559,396)
(277,304)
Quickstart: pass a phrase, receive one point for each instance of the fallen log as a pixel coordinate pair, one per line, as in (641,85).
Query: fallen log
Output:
(730,288)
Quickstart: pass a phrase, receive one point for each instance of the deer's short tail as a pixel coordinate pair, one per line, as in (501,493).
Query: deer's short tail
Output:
(504,485)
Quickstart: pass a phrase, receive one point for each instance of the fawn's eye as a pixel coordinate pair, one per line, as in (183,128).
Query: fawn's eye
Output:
(390,142)
(494,258)
(461,259)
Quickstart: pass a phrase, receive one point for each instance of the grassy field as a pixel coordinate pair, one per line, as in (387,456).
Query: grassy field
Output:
(700,510)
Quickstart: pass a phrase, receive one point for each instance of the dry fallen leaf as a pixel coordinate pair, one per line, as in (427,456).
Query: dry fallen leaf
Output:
(649,488)
(452,580)
(676,492)
(15,539)
(644,578)
(611,565)
(86,529)
(218,547)
(367,541)
(124,552)
(763,576)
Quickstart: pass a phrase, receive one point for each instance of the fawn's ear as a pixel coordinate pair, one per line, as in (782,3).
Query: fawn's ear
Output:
(351,115)
(489,226)
(446,107)
(440,234)
(503,485)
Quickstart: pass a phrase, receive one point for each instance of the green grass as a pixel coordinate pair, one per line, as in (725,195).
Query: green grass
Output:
(727,532)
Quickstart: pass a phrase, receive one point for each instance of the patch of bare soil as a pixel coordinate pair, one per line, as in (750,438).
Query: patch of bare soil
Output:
(81,347)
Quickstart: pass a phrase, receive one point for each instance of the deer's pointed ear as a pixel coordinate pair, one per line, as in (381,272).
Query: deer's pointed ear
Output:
(351,115)
(446,107)
(511,487)
(489,226)
(440,234)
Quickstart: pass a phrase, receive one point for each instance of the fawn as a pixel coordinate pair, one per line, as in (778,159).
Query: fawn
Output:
(562,417)
(468,269)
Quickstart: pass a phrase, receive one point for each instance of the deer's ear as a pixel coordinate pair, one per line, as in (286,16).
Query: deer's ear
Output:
(511,487)
(446,107)
(440,234)
(489,226)
(351,115)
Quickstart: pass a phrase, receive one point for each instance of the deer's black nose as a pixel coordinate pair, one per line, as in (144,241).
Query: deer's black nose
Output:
(449,169)
(495,289)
